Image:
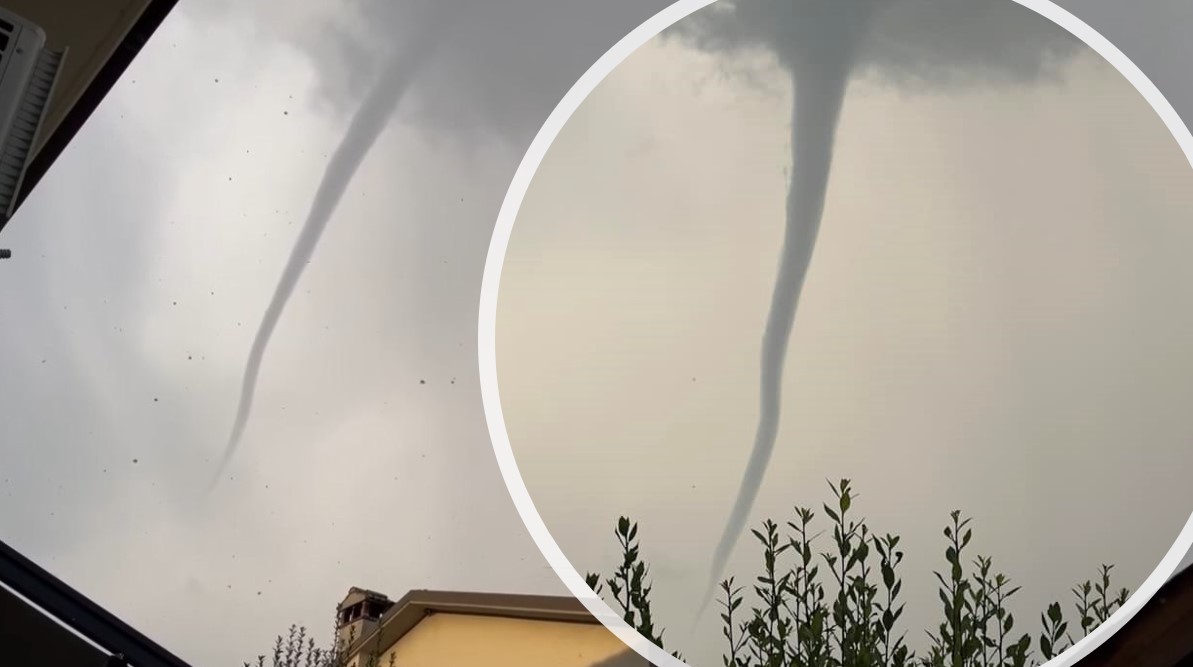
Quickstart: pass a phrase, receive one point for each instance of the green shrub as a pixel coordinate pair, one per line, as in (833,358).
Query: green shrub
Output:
(840,607)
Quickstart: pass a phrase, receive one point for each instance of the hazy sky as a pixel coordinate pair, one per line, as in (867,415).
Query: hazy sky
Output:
(143,260)
(995,321)
(141,267)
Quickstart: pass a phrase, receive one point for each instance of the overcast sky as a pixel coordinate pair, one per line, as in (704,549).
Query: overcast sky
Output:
(143,260)
(995,319)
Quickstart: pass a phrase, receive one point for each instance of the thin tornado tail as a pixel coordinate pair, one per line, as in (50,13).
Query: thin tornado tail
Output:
(366,126)
(816,108)
(257,354)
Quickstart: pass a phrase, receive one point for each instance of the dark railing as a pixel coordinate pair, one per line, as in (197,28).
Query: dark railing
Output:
(72,609)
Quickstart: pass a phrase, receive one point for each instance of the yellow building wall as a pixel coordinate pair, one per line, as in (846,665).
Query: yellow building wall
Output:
(458,640)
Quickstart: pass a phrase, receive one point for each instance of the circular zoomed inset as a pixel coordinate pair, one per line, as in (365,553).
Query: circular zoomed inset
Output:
(500,243)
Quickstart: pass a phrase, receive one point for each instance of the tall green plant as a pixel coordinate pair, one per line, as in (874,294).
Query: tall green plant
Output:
(629,584)
(298,648)
(841,606)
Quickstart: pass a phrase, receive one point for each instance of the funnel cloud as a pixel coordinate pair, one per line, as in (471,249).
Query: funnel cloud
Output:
(824,39)
(822,45)
(363,130)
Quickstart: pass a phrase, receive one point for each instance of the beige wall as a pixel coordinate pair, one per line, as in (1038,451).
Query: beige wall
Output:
(448,640)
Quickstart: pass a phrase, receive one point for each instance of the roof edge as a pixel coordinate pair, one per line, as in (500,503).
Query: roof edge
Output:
(101,84)
(1157,635)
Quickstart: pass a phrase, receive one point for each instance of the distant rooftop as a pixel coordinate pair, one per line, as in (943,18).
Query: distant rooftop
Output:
(356,594)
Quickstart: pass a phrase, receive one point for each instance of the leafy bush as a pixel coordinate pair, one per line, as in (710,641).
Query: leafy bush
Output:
(298,649)
(840,607)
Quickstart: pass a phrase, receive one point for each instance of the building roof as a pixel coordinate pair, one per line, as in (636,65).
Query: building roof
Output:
(101,37)
(48,617)
(356,594)
(417,605)
(27,633)
(1160,635)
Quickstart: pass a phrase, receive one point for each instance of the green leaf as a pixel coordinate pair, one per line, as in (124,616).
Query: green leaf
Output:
(831,514)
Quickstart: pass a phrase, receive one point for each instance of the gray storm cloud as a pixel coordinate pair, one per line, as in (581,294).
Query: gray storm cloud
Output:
(511,63)
(364,129)
(467,96)
(915,44)
(919,45)
(822,45)
(508,65)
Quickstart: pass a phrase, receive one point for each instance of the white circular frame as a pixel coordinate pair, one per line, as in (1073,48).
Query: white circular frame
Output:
(490,284)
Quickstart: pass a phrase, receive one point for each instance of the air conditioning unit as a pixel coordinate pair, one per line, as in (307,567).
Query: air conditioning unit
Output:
(28,73)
